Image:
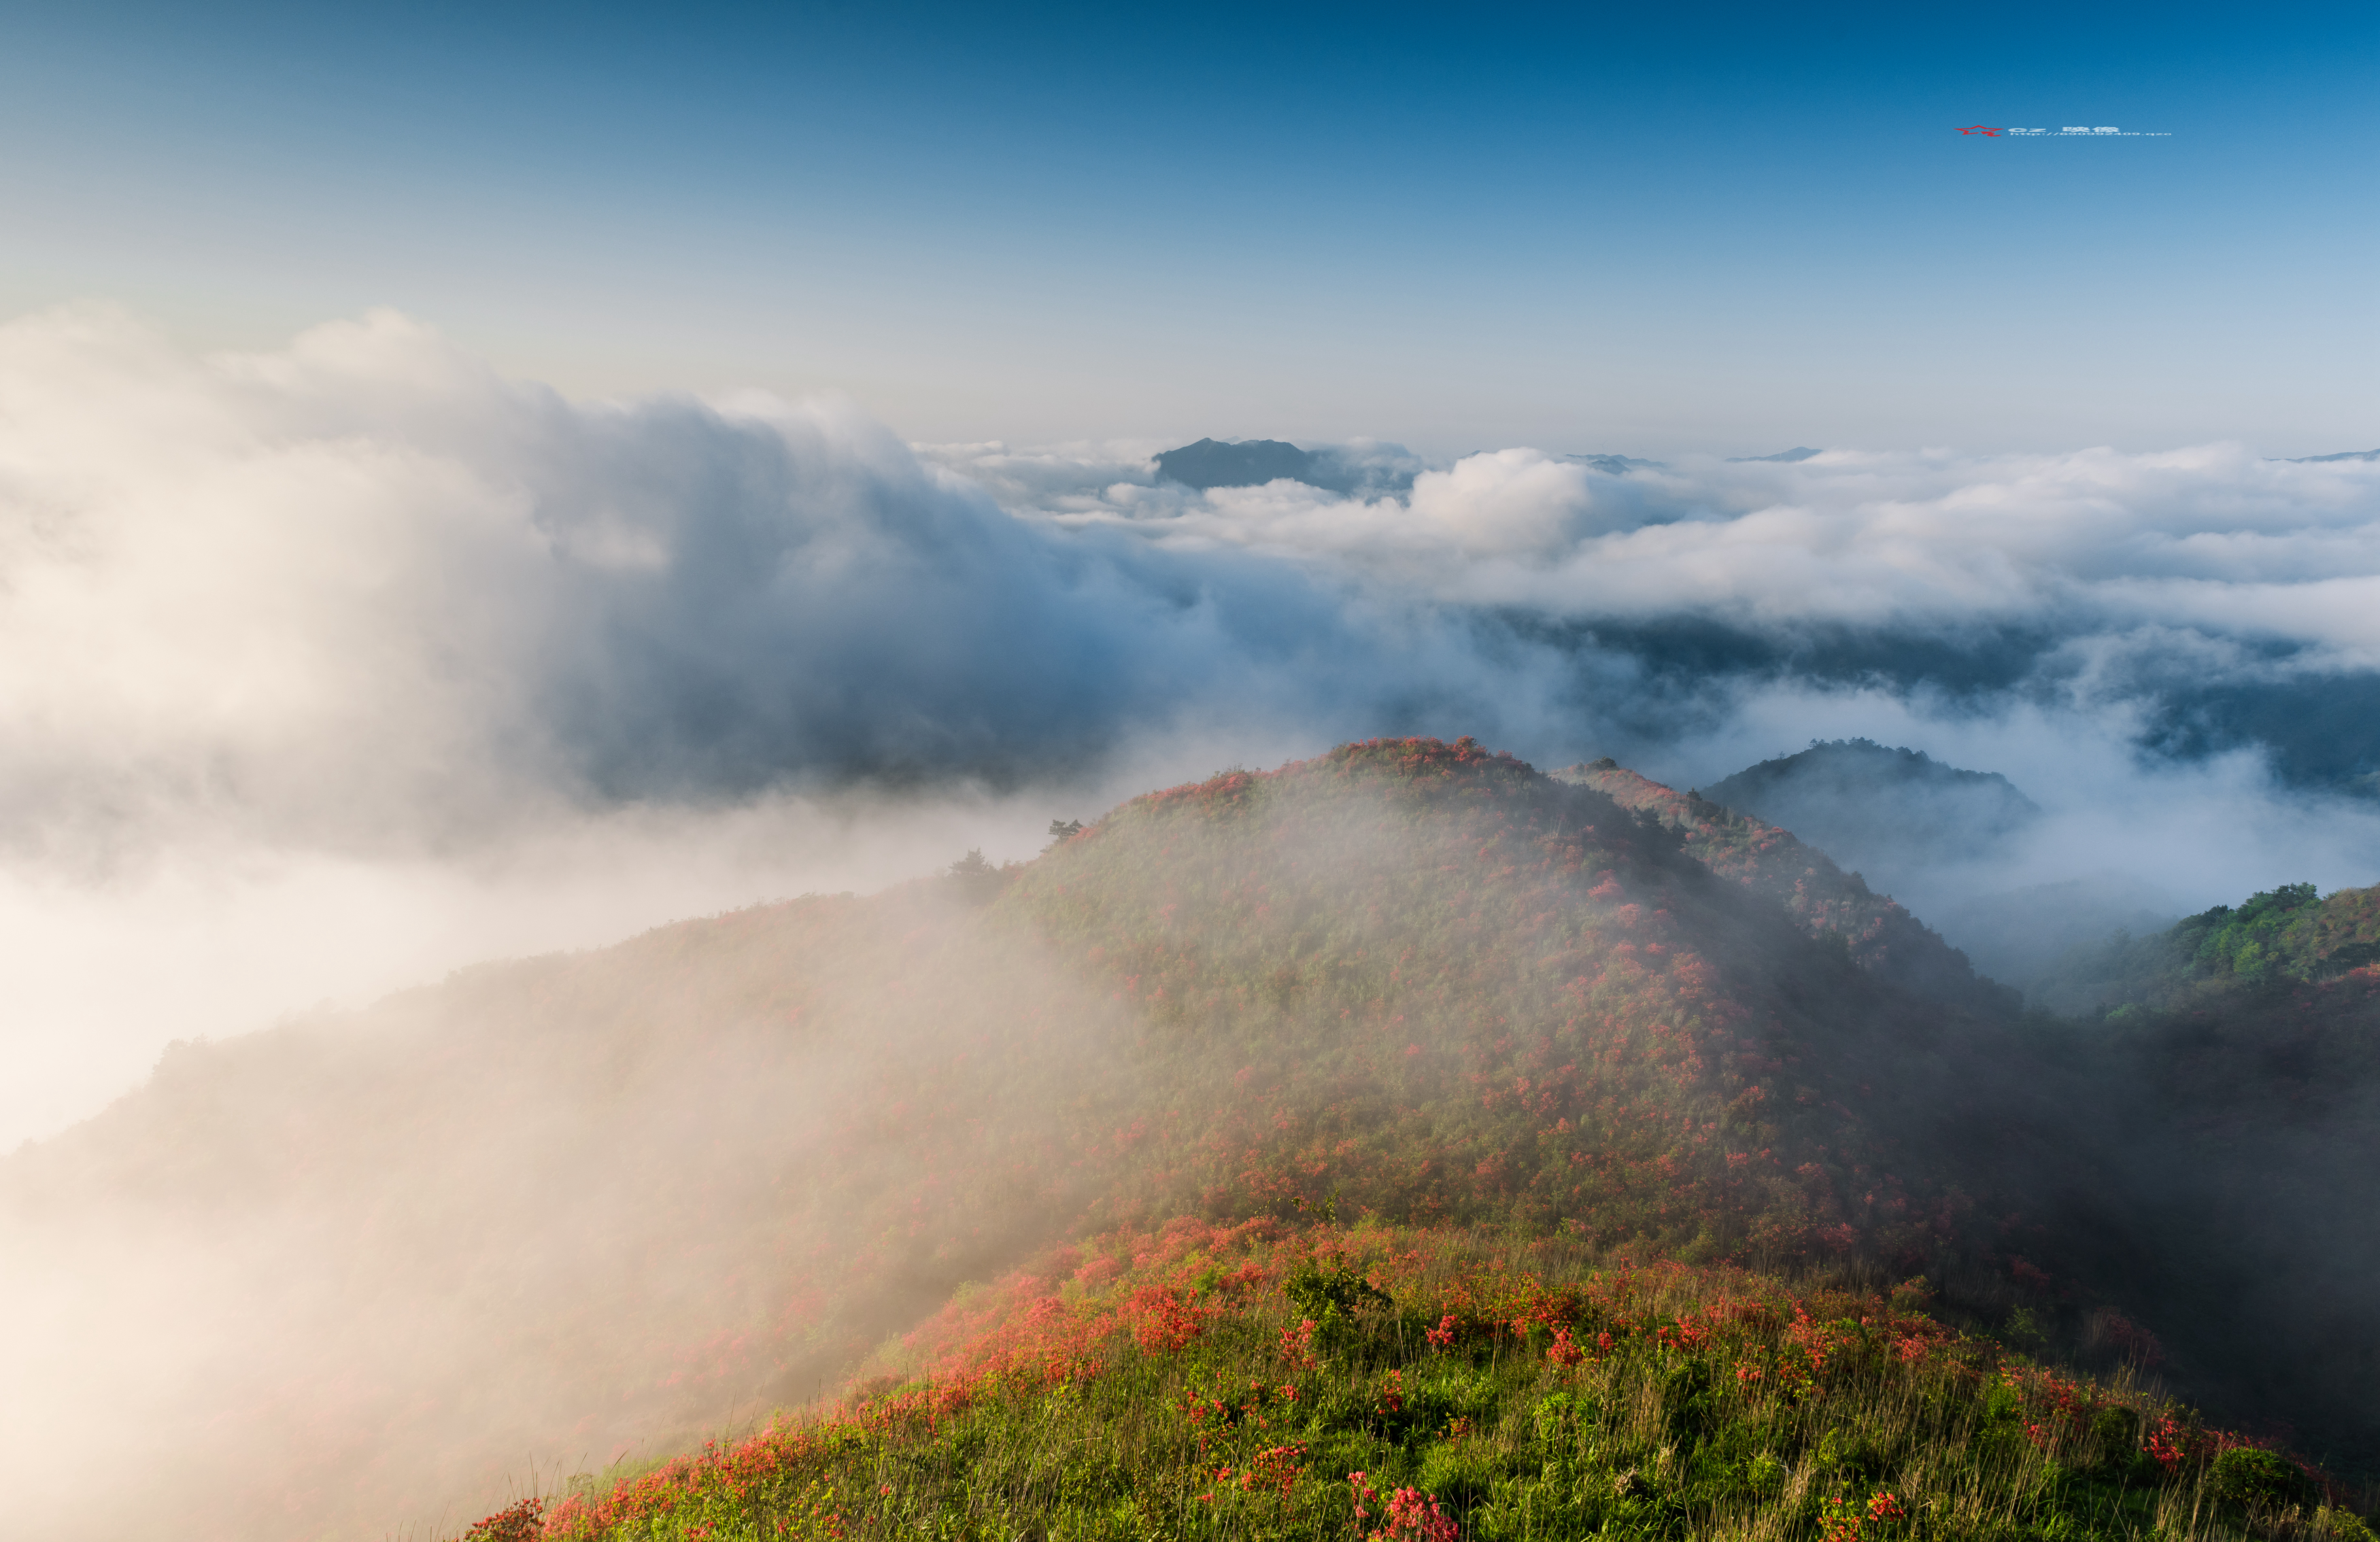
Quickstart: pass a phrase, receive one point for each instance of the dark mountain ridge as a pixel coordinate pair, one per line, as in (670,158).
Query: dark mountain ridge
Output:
(1371,470)
(1869,805)
(1241,463)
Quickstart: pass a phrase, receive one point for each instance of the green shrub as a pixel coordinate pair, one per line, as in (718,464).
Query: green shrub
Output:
(2248,1475)
(2114,1445)
(2342,1525)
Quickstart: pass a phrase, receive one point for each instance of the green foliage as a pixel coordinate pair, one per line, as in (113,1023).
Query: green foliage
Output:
(2277,940)
(2342,1525)
(1674,1426)
(2253,943)
(2250,1476)
(1331,1292)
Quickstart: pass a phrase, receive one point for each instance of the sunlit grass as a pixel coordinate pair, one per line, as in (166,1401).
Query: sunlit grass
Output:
(1234,1383)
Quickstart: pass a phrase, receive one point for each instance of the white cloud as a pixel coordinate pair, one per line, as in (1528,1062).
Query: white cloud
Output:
(330,668)
(2095,538)
(1507,502)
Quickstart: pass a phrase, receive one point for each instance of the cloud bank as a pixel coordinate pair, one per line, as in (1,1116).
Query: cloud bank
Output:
(2096,575)
(363,594)
(339,665)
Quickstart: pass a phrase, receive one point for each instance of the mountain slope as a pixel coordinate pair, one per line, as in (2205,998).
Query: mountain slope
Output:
(360,1271)
(2283,935)
(1462,989)
(1880,809)
(1326,1381)
(611,1196)
(1774,863)
(2236,1062)
(553,1210)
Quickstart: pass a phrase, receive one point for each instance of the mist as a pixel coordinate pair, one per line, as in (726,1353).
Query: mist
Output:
(332,669)
(372,1274)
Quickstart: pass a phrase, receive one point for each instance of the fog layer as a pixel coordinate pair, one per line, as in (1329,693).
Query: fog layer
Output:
(325,670)
(373,1275)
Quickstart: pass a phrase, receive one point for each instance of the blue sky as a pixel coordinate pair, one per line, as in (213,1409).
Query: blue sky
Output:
(1727,229)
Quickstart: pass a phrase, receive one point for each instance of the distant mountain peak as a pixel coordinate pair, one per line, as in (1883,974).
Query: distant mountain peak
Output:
(1361,468)
(1799,452)
(1212,463)
(1884,810)
(2343,454)
(1618,466)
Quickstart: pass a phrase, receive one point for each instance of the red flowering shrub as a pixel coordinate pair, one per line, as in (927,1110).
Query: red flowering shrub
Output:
(1165,1318)
(1408,1516)
(1275,1467)
(521,1522)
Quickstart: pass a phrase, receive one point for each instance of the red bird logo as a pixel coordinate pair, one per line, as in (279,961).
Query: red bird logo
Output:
(1979,129)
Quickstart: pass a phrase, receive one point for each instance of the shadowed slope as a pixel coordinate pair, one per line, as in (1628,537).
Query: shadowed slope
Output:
(1883,939)
(2243,1046)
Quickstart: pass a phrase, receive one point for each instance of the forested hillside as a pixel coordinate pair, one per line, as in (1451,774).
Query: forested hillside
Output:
(2239,1058)
(2283,936)
(1774,863)
(1459,989)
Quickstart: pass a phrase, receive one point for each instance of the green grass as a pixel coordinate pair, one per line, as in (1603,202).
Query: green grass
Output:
(1219,1383)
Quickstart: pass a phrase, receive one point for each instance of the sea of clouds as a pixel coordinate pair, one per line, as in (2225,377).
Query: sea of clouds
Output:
(329,669)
